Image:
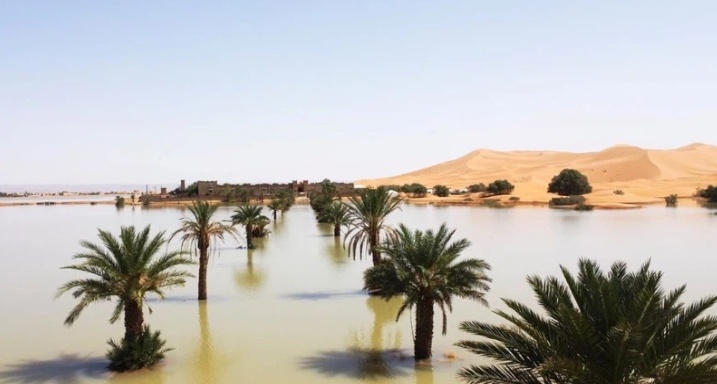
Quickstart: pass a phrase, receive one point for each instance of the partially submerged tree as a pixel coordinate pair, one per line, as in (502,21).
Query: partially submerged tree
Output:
(198,232)
(328,192)
(126,269)
(598,328)
(274,206)
(250,216)
(337,213)
(569,182)
(367,214)
(424,267)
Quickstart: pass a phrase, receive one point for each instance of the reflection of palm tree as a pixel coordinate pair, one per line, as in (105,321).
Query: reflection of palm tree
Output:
(337,252)
(205,367)
(384,312)
(249,279)
(424,373)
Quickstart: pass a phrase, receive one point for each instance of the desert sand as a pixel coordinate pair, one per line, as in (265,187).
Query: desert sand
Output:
(645,176)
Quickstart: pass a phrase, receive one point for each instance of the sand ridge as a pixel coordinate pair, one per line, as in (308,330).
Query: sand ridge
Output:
(644,175)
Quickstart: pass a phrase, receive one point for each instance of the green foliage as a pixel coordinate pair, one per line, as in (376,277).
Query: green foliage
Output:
(366,213)
(415,189)
(119,201)
(500,187)
(136,353)
(426,268)
(192,190)
(671,200)
(337,213)
(326,195)
(285,198)
(618,192)
(709,193)
(584,207)
(133,198)
(251,217)
(568,200)
(475,188)
(243,195)
(597,328)
(569,182)
(393,187)
(441,190)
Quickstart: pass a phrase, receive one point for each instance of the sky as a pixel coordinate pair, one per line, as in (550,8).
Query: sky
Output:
(96,92)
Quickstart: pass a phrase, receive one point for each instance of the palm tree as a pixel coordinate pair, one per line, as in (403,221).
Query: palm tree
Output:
(598,328)
(337,214)
(423,267)
(367,213)
(126,269)
(198,232)
(249,216)
(274,206)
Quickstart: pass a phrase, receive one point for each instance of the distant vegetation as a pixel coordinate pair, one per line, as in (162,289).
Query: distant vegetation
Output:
(475,188)
(709,193)
(568,200)
(584,207)
(119,201)
(671,201)
(569,182)
(441,190)
(319,201)
(618,192)
(500,187)
(415,189)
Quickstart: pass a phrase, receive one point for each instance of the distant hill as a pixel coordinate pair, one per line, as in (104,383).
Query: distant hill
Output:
(643,174)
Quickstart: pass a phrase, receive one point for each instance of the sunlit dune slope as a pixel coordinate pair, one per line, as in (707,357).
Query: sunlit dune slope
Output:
(644,175)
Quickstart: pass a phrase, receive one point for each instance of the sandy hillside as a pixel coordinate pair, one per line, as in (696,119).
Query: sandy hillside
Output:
(645,175)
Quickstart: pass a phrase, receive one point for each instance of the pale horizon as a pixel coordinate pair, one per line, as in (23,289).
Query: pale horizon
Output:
(131,93)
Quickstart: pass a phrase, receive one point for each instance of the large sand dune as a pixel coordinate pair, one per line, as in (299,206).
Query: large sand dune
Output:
(645,175)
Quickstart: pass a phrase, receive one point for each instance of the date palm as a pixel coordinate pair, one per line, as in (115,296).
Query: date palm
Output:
(250,217)
(274,206)
(337,214)
(424,267)
(598,328)
(198,232)
(367,213)
(126,269)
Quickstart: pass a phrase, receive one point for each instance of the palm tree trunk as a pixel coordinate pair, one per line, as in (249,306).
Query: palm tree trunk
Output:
(133,320)
(337,230)
(375,254)
(424,330)
(274,215)
(202,284)
(249,243)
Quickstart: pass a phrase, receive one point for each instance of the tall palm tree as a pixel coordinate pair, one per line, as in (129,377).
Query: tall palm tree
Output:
(274,206)
(126,269)
(337,213)
(198,232)
(250,217)
(598,328)
(367,212)
(423,267)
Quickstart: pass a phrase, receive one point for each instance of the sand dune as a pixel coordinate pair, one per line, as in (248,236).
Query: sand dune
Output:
(645,175)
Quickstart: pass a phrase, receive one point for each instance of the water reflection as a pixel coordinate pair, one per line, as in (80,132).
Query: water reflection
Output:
(336,252)
(248,278)
(66,368)
(207,365)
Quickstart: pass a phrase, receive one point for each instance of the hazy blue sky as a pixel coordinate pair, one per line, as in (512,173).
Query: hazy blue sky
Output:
(154,91)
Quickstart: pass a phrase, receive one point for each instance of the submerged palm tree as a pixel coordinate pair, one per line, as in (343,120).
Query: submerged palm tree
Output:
(336,213)
(126,269)
(367,213)
(598,328)
(250,217)
(274,206)
(424,268)
(198,232)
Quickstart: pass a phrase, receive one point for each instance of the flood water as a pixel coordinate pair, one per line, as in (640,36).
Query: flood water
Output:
(292,310)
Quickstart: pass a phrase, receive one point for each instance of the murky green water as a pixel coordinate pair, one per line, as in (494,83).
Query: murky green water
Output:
(292,311)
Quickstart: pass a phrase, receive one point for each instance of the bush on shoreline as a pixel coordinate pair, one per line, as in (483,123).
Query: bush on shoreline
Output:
(569,182)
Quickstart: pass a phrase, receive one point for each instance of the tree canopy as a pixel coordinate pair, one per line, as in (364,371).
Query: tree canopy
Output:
(569,182)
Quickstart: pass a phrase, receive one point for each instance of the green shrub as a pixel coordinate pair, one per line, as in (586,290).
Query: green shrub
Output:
(569,182)
(709,193)
(514,198)
(500,187)
(133,354)
(618,192)
(475,188)
(671,201)
(119,201)
(568,200)
(441,190)
(584,207)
